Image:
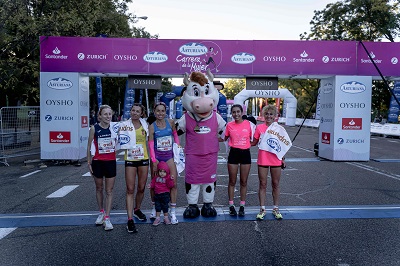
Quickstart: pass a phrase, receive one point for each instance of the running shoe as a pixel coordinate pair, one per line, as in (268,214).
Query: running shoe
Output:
(241,211)
(261,215)
(277,214)
(174,220)
(153,213)
(139,215)
(157,221)
(100,219)
(107,224)
(131,227)
(166,220)
(232,211)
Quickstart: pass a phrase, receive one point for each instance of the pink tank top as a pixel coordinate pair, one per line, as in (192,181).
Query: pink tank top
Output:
(205,140)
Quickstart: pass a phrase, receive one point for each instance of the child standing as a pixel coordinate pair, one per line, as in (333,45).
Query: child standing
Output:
(162,184)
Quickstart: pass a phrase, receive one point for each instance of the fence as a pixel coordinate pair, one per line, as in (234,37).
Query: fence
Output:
(19,132)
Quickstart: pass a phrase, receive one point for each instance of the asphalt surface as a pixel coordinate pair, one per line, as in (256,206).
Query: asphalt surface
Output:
(335,213)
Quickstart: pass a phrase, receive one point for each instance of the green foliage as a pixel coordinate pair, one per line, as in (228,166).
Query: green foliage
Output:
(22,22)
(233,87)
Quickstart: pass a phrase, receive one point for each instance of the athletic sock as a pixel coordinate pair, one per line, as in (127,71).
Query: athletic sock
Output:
(231,203)
(242,203)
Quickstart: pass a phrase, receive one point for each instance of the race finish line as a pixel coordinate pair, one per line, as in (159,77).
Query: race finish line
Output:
(289,213)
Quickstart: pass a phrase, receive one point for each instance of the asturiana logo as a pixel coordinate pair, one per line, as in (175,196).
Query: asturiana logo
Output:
(353,87)
(59,84)
(243,58)
(155,57)
(193,49)
(274,144)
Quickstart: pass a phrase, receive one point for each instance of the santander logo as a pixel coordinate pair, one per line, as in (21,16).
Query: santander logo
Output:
(351,123)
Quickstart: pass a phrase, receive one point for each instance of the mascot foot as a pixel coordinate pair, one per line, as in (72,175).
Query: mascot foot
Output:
(208,210)
(192,211)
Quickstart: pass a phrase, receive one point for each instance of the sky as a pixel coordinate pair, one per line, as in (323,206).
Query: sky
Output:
(227,19)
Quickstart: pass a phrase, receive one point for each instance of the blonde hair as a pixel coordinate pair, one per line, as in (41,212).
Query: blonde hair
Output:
(102,107)
(267,108)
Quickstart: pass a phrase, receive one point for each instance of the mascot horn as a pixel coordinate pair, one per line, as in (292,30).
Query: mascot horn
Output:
(202,126)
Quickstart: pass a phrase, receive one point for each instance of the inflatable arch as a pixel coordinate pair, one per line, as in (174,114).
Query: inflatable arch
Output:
(289,100)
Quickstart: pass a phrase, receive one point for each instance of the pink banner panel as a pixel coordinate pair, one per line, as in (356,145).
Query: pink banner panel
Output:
(222,57)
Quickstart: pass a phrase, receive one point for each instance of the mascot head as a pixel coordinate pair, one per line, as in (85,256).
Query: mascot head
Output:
(200,96)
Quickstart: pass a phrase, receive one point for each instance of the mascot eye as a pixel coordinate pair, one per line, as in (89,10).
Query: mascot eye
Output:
(196,92)
(206,91)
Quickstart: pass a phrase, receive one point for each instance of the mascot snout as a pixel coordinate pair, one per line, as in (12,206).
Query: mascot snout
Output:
(203,106)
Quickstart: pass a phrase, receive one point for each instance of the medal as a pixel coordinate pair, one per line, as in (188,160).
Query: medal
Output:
(197,128)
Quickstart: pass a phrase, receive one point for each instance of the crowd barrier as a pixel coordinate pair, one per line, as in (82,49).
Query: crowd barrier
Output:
(19,132)
(385,129)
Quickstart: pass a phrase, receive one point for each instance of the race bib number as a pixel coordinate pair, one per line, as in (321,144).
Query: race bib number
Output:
(105,145)
(164,143)
(137,153)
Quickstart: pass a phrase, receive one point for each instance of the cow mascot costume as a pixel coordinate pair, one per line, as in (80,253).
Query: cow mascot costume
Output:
(202,126)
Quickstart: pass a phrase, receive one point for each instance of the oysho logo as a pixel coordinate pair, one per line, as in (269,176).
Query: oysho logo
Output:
(193,49)
(303,58)
(59,84)
(352,105)
(155,57)
(353,87)
(59,102)
(56,55)
(351,123)
(274,58)
(125,57)
(326,105)
(243,58)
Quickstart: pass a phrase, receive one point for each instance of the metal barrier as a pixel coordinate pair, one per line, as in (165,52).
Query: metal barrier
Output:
(19,132)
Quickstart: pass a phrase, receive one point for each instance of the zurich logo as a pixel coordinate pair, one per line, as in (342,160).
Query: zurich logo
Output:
(274,144)
(124,139)
(155,57)
(59,84)
(353,87)
(193,49)
(48,118)
(340,141)
(243,58)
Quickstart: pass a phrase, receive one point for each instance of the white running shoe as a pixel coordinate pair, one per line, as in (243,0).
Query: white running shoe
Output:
(174,220)
(107,224)
(153,213)
(100,219)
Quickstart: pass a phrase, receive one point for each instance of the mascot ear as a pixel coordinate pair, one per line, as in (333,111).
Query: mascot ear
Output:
(210,75)
(183,91)
(186,79)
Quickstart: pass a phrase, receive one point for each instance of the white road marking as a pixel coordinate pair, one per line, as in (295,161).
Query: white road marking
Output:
(300,148)
(87,174)
(359,165)
(62,191)
(5,231)
(34,172)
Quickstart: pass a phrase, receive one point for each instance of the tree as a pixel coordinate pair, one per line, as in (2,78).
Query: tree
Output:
(364,20)
(22,22)
(233,87)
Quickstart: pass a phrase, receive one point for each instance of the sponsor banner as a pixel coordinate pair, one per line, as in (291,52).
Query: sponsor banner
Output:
(99,91)
(128,101)
(144,82)
(384,54)
(261,83)
(326,138)
(222,108)
(394,106)
(351,123)
(225,57)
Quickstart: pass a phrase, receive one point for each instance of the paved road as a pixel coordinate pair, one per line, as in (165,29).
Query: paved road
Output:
(335,213)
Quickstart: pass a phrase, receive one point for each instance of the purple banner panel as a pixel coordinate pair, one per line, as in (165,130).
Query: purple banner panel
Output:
(230,58)
(386,56)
